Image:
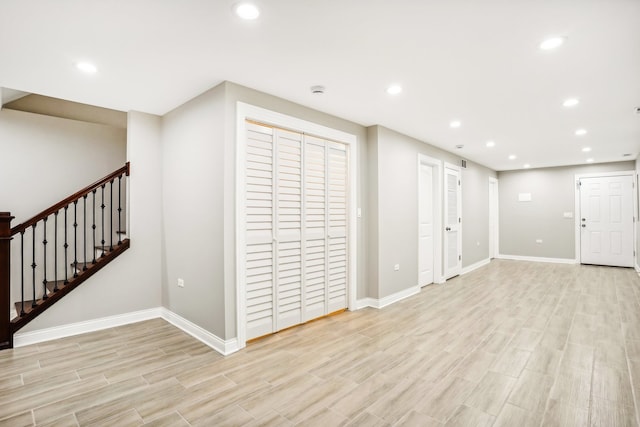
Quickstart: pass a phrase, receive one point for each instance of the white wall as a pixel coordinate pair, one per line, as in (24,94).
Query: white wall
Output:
(55,157)
(49,158)
(193,206)
(199,169)
(396,178)
(552,193)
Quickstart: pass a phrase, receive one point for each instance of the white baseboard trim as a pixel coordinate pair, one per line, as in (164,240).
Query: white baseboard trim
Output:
(538,259)
(366,302)
(388,300)
(637,268)
(475,266)
(47,334)
(224,347)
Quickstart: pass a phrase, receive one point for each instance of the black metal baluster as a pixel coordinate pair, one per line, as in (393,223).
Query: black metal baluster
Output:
(22,273)
(84,230)
(66,248)
(75,238)
(102,207)
(44,261)
(33,264)
(93,226)
(55,252)
(120,209)
(111,214)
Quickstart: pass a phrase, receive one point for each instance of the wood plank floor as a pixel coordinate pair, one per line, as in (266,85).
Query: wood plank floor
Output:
(511,344)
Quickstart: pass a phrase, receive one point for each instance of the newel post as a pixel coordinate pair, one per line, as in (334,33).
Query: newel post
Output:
(6,337)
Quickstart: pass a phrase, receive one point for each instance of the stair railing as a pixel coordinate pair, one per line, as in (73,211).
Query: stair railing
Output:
(48,241)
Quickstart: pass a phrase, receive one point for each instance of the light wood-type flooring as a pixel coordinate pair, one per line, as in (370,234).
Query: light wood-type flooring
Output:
(510,344)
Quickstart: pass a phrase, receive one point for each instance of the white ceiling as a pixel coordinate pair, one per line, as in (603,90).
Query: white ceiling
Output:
(476,61)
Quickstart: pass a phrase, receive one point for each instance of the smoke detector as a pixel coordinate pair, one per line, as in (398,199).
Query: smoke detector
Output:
(317,89)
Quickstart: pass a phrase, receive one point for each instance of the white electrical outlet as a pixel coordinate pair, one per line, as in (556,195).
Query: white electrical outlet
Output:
(396,267)
(180,283)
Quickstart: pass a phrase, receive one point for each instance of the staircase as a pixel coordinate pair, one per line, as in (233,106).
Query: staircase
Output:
(46,257)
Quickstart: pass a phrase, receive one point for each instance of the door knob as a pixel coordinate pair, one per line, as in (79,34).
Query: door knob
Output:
(448,229)
(584,225)
(584,219)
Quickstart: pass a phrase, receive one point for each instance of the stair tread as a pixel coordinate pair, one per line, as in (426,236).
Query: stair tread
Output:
(27,306)
(51,285)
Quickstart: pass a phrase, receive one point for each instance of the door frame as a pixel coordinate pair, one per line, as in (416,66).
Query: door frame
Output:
(577,213)
(251,112)
(457,168)
(437,214)
(494,217)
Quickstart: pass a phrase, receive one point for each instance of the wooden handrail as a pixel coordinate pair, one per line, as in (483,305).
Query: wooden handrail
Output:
(55,208)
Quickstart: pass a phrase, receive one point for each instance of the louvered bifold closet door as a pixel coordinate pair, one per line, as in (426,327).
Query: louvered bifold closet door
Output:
(289,228)
(337,226)
(259,231)
(296,228)
(315,227)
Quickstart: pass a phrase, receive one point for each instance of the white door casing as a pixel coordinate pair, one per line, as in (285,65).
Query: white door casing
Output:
(452,221)
(282,212)
(606,219)
(494,208)
(426,227)
(434,206)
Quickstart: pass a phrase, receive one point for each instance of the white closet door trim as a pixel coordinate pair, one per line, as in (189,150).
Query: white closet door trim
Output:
(250,112)
(437,220)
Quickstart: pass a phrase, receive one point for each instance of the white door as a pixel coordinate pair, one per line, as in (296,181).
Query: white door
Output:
(288,214)
(606,221)
(452,222)
(260,237)
(337,171)
(296,228)
(315,227)
(493,218)
(425,226)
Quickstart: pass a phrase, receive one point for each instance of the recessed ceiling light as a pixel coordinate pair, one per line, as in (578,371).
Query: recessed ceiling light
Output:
(394,89)
(455,124)
(526,166)
(581,132)
(512,157)
(552,43)
(248,11)
(571,102)
(586,149)
(491,144)
(86,67)
(589,160)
